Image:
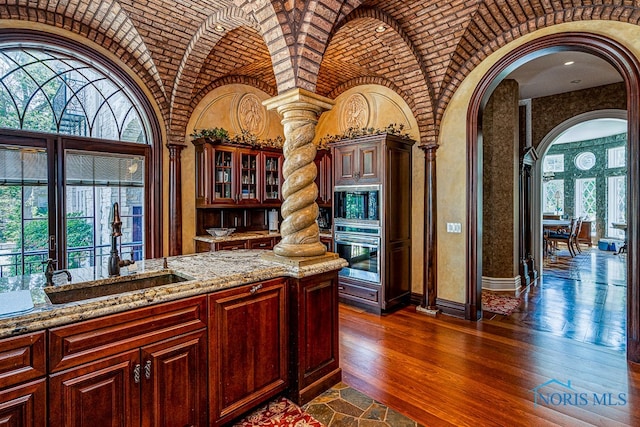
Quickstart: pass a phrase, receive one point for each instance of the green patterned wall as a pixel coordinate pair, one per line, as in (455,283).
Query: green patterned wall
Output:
(599,171)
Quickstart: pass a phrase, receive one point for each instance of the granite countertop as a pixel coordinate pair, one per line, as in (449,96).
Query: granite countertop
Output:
(247,235)
(205,272)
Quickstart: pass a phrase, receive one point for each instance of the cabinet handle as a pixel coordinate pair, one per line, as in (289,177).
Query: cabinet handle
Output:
(341,288)
(262,245)
(136,374)
(255,289)
(147,370)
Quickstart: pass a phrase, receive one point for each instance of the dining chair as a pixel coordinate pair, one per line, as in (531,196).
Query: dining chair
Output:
(566,236)
(576,242)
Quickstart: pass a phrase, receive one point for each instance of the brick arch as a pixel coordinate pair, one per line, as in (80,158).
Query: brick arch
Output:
(228,80)
(416,90)
(104,23)
(266,17)
(372,80)
(196,53)
(495,26)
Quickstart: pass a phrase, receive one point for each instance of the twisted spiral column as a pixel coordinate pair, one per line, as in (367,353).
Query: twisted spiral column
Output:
(300,110)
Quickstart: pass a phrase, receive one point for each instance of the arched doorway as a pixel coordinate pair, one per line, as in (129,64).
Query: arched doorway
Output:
(629,68)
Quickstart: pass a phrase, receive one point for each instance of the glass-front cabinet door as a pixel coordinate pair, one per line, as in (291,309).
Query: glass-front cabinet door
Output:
(248,179)
(223,171)
(272,177)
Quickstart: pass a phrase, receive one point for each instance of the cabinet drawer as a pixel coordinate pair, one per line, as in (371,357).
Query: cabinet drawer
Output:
(351,290)
(261,243)
(105,336)
(22,358)
(231,245)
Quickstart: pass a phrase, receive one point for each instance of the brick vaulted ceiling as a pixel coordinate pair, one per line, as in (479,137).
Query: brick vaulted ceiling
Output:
(326,46)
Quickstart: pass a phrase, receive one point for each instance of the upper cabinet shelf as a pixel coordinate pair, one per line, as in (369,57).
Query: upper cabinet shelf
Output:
(229,175)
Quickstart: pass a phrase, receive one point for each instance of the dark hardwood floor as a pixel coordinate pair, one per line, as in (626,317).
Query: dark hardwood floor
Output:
(447,371)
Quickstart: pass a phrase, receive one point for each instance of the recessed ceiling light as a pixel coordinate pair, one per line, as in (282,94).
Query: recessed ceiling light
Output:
(569,62)
(381,29)
(576,81)
(219,28)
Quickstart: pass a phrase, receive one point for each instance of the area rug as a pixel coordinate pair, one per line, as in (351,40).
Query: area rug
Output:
(279,413)
(499,304)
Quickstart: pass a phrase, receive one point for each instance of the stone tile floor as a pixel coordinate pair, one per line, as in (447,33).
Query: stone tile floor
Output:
(343,406)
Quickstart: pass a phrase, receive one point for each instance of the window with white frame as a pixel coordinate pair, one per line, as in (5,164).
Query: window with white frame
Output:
(553,200)
(616,157)
(616,205)
(585,200)
(553,163)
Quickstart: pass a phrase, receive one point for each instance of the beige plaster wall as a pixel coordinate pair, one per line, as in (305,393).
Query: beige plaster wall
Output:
(378,106)
(452,273)
(219,108)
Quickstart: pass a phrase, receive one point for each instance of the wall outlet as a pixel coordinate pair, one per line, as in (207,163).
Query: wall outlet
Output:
(454,227)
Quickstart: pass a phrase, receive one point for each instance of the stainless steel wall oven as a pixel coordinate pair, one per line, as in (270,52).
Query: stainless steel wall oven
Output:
(360,246)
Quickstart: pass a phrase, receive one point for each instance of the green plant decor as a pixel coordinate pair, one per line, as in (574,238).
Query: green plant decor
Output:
(245,138)
(352,132)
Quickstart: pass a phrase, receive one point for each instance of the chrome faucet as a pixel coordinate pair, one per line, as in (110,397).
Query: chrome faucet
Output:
(49,272)
(114,258)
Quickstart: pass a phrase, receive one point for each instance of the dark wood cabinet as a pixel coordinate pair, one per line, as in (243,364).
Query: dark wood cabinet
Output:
(102,392)
(232,245)
(228,175)
(199,361)
(357,163)
(266,243)
(24,405)
(174,372)
(324,178)
(383,160)
(145,367)
(248,352)
(23,388)
(314,339)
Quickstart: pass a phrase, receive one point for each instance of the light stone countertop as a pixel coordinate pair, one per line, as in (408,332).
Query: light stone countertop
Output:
(207,272)
(247,235)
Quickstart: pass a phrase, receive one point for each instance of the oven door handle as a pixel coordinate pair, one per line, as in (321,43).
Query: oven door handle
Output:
(371,241)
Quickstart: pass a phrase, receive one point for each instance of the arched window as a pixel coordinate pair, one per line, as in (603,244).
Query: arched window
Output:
(75,138)
(48,90)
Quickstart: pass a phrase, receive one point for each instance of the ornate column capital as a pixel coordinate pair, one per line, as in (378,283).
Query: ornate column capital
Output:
(300,110)
(299,103)
(430,147)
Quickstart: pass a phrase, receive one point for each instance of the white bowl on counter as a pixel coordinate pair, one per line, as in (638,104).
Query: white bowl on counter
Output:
(220,232)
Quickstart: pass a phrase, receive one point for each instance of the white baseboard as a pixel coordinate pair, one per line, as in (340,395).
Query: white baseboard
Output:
(501,283)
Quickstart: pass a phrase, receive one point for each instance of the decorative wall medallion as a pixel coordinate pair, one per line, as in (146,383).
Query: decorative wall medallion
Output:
(355,113)
(251,114)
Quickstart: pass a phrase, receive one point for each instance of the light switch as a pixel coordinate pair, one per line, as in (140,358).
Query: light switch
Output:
(454,227)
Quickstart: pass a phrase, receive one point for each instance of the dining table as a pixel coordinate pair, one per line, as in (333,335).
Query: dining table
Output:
(554,224)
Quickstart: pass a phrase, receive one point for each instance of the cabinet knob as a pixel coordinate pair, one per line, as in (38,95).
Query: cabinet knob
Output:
(255,289)
(136,374)
(147,370)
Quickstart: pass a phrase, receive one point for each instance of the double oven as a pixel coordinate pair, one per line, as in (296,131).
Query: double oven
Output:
(357,231)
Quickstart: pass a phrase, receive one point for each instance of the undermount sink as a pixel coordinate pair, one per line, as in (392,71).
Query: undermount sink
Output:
(110,286)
